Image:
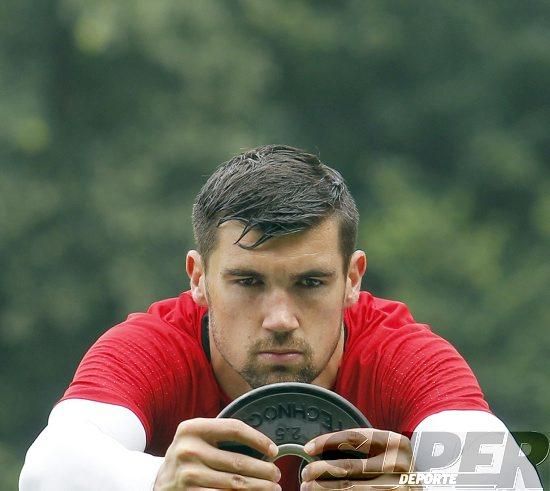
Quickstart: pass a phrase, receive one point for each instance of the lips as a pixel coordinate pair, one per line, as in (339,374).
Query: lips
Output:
(279,357)
(280,352)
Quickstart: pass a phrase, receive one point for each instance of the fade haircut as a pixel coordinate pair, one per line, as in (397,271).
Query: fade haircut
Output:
(277,190)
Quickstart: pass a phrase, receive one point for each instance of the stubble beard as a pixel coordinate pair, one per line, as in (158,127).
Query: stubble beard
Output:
(257,374)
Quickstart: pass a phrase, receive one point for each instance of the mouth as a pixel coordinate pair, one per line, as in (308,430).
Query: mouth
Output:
(280,351)
(280,356)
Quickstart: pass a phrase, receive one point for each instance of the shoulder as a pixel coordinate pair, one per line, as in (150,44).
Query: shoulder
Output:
(386,332)
(164,324)
(371,318)
(399,369)
(181,312)
(149,363)
(147,349)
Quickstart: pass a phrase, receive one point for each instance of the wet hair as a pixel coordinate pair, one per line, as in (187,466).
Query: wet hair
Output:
(277,190)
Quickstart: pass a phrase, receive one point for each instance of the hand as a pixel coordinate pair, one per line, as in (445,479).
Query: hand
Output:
(193,460)
(386,456)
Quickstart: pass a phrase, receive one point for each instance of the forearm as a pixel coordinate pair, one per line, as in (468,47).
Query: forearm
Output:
(474,446)
(77,455)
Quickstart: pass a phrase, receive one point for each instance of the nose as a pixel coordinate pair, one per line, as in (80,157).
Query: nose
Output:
(280,313)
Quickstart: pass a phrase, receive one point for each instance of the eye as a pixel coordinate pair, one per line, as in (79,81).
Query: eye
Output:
(311,283)
(248,282)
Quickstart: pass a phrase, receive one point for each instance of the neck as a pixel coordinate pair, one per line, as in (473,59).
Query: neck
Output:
(233,384)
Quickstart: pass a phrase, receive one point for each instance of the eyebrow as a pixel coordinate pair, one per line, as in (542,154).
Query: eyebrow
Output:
(241,272)
(311,273)
(315,273)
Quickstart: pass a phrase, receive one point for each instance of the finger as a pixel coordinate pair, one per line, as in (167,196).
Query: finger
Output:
(326,485)
(364,440)
(339,469)
(244,465)
(387,463)
(382,483)
(198,476)
(195,450)
(228,429)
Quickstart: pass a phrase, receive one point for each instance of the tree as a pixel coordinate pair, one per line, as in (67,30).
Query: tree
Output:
(113,113)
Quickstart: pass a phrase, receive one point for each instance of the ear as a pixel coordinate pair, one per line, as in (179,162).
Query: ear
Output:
(195,270)
(356,270)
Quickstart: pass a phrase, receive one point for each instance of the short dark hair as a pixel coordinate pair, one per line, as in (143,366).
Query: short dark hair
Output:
(278,190)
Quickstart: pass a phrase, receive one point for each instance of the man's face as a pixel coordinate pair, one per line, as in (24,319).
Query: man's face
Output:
(275,311)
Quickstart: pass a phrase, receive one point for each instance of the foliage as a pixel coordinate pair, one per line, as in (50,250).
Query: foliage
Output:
(113,113)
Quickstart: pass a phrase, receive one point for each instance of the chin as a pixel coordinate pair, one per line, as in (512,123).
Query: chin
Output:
(278,375)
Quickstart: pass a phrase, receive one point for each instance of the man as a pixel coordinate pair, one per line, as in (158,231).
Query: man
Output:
(274,297)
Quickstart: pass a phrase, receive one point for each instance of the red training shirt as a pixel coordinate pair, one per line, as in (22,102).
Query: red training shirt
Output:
(396,371)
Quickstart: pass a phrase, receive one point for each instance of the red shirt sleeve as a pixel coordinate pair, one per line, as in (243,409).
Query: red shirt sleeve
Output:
(404,372)
(153,368)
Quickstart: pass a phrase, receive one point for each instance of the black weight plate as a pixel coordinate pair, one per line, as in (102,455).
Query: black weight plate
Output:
(292,412)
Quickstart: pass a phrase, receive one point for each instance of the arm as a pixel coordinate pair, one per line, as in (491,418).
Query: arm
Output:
(449,450)
(472,441)
(90,445)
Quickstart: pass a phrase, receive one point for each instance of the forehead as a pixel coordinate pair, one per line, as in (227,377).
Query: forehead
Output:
(318,245)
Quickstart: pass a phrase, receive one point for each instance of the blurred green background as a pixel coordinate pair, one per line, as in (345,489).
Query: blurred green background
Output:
(113,114)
